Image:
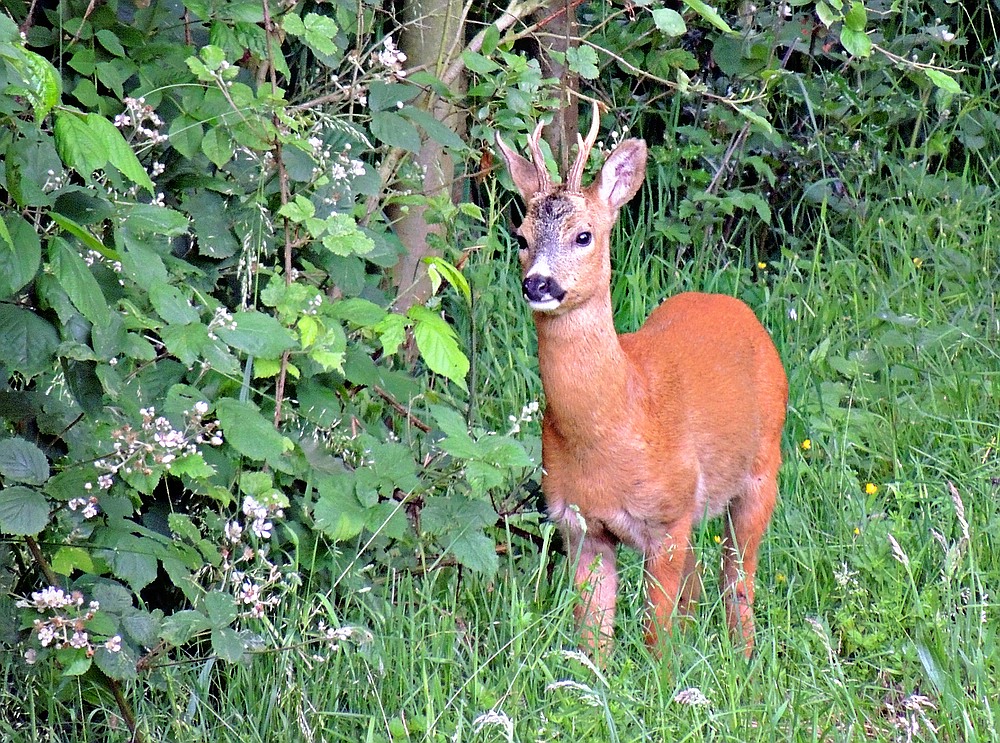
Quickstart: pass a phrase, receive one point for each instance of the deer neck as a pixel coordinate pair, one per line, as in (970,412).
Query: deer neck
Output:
(586,376)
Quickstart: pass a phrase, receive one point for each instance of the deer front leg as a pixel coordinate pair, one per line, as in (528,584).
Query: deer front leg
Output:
(597,581)
(748,519)
(669,565)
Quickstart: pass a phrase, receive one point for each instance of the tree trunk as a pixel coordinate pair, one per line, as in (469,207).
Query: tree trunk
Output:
(560,35)
(433,32)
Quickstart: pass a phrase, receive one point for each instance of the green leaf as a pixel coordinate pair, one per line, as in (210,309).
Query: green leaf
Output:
(218,146)
(29,342)
(438,268)
(118,151)
(119,665)
(23,511)
(752,116)
(159,220)
(171,304)
(453,514)
(826,14)
(20,255)
(438,345)
(132,560)
(42,80)
(669,22)
(583,61)
(476,551)
(856,17)
(22,461)
(337,512)
(856,43)
(220,608)
(435,129)
(185,135)
(77,280)
(250,433)
(78,145)
(943,81)
(68,559)
(392,129)
(343,237)
(320,31)
(478,63)
(181,626)
(227,644)
(391,332)
(710,14)
(257,334)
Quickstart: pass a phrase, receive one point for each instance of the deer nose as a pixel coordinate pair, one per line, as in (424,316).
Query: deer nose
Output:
(540,288)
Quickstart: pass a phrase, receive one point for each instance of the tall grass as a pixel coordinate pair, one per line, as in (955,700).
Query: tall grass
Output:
(877,607)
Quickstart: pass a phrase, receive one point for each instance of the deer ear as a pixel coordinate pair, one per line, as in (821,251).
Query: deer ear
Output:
(622,173)
(521,170)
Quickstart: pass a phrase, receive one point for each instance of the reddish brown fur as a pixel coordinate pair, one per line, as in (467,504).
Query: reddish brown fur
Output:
(647,433)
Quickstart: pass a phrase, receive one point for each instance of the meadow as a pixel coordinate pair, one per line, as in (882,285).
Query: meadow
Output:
(876,611)
(353,544)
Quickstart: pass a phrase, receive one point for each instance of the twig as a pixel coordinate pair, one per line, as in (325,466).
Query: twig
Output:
(401,409)
(43,564)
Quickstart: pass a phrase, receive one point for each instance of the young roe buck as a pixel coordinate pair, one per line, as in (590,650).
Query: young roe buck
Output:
(647,433)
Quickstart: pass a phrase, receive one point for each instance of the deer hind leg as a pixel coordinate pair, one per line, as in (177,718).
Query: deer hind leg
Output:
(597,581)
(745,526)
(669,566)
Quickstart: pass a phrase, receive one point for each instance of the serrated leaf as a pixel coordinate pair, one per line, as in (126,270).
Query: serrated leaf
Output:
(337,512)
(391,332)
(392,129)
(79,283)
(669,22)
(171,304)
(320,31)
(220,608)
(29,342)
(68,559)
(22,461)
(476,551)
(227,644)
(943,81)
(23,511)
(132,560)
(435,129)
(218,146)
(856,17)
(181,626)
(74,662)
(78,145)
(42,80)
(710,14)
(439,268)
(438,345)
(119,665)
(344,238)
(252,435)
(478,63)
(20,255)
(118,151)
(257,334)
(583,61)
(856,43)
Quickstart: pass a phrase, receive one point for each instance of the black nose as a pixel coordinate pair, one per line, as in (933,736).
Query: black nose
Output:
(542,288)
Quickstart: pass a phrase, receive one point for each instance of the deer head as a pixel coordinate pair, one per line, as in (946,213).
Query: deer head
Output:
(565,259)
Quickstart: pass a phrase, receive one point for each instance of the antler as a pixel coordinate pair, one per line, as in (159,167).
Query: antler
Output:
(538,159)
(583,151)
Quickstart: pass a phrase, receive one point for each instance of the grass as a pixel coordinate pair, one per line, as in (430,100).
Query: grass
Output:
(877,615)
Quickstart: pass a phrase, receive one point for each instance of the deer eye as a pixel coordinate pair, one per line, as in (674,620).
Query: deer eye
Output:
(584,239)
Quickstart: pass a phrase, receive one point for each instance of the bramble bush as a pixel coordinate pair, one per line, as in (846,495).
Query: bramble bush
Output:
(208,395)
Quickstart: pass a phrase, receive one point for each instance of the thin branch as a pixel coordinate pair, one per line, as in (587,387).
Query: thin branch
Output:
(401,409)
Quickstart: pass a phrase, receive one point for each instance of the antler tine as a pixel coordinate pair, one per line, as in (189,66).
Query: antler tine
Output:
(583,151)
(538,159)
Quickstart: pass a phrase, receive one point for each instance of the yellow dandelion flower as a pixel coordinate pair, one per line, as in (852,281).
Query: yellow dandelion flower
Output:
(780,578)
(857,532)
(871,488)
(918,262)
(718,539)
(806,445)
(761,265)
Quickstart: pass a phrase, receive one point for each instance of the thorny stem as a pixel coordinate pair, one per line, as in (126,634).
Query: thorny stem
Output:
(43,564)
(126,709)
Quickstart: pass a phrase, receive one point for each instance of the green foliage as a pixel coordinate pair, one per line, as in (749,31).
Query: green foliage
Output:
(206,392)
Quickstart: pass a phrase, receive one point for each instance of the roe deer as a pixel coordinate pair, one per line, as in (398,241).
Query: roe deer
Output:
(643,434)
